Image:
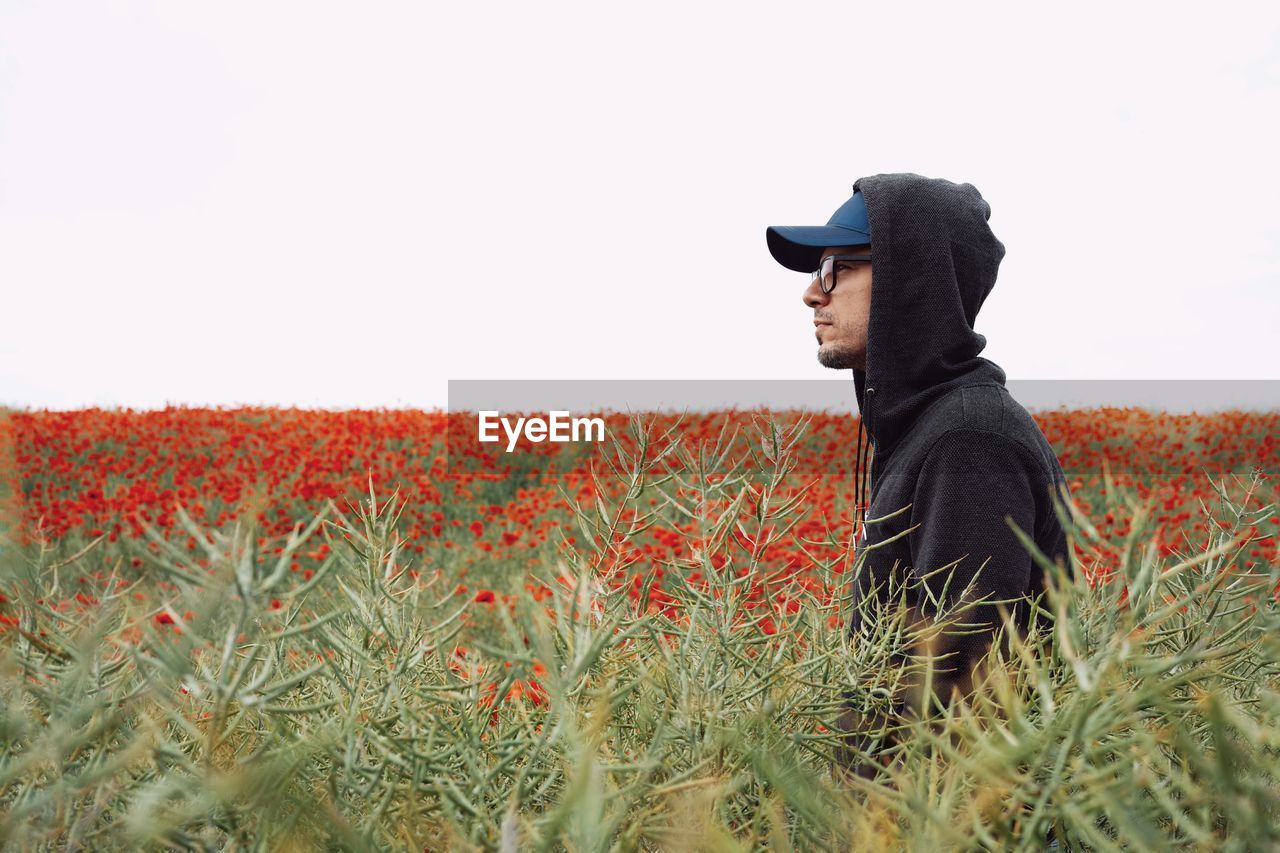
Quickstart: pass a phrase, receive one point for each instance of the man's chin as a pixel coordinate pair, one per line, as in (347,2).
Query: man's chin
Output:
(838,357)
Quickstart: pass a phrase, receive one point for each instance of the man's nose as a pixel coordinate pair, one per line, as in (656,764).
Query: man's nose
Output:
(813,295)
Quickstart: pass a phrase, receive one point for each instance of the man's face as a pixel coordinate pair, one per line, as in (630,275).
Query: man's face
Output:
(840,317)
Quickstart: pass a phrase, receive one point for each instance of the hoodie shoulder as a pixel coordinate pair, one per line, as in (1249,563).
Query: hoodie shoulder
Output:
(984,409)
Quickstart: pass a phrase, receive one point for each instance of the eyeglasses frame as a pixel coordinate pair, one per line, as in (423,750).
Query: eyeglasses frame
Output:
(834,259)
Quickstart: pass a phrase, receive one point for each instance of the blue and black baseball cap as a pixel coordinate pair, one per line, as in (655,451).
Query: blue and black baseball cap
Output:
(799,247)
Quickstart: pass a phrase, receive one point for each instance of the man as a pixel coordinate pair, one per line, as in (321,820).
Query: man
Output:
(948,442)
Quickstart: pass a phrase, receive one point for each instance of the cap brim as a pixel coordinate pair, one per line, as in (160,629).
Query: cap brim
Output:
(800,247)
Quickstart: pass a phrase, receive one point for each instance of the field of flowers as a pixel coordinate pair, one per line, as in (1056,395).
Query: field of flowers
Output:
(302,629)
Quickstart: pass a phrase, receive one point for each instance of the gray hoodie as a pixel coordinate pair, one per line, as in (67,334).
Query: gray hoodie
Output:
(950,444)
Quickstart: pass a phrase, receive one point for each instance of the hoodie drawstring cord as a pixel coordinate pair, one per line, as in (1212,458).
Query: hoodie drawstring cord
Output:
(857,486)
(862,472)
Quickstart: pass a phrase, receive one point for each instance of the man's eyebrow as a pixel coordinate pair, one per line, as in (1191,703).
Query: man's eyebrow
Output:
(863,252)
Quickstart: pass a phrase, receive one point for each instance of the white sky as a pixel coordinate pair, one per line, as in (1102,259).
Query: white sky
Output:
(324,204)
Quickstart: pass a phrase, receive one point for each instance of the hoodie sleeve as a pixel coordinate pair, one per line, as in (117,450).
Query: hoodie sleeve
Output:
(969,483)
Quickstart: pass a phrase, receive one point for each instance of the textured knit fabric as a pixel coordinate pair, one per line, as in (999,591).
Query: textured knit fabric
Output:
(950,446)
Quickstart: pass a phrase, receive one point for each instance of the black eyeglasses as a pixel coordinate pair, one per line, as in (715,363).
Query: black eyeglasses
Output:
(826,274)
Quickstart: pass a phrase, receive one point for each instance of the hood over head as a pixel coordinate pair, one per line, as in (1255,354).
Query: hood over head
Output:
(934,260)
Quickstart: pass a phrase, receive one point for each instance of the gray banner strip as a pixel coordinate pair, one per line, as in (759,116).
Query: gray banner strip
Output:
(1181,396)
